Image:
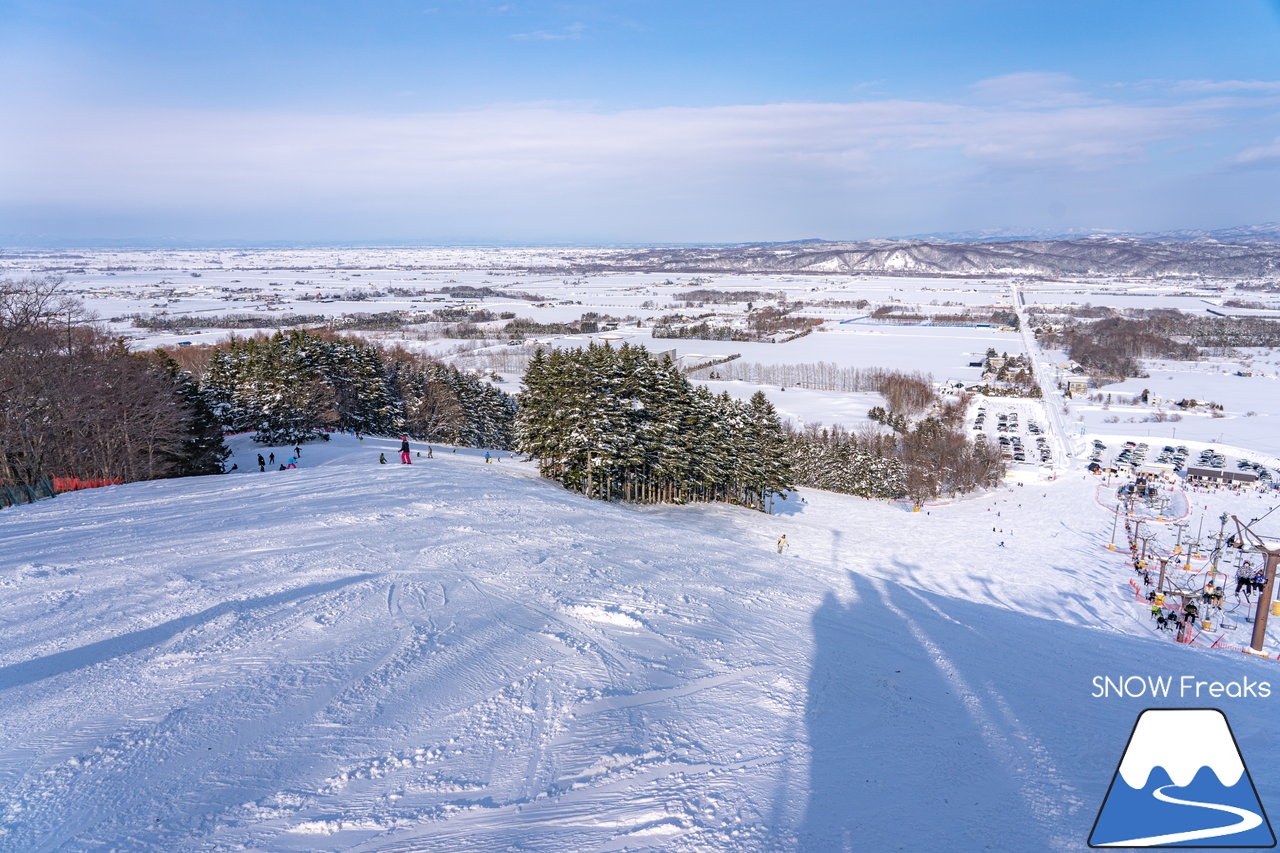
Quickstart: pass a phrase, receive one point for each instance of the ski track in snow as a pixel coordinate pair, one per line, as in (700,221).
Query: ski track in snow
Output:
(453,656)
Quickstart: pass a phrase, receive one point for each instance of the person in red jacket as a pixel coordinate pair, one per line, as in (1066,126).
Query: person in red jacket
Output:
(404,450)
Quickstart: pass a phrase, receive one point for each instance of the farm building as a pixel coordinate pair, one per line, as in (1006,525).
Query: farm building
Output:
(1077,387)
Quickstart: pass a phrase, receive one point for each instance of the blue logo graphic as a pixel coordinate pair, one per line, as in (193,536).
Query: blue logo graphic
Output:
(1182,783)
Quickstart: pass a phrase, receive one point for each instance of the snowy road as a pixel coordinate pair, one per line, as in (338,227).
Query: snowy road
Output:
(458,656)
(1065,443)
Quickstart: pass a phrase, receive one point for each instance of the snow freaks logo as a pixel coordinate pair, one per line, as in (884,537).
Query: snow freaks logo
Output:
(1182,783)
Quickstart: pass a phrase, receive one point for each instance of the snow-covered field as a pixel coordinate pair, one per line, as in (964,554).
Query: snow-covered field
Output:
(459,656)
(275,284)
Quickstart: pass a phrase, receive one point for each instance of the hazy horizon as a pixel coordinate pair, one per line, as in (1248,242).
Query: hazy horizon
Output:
(630,123)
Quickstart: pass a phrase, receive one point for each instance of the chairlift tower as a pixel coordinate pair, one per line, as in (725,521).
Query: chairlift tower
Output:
(1271,558)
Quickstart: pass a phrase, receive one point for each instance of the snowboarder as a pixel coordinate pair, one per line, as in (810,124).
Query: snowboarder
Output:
(404,451)
(382,459)
(782,543)
(293,462)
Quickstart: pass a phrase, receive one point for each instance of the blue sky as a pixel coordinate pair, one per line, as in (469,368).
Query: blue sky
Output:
(451,120)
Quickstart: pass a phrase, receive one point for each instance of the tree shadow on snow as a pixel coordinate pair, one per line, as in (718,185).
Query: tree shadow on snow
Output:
(38,669)
(923,715)
(790,505)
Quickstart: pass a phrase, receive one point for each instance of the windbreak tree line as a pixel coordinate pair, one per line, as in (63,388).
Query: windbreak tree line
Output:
(617,424)
(77,404)
(290,385)
(922,462)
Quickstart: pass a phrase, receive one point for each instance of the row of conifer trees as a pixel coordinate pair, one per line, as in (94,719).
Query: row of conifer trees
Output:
(617,424)
(292,384)
(922,462)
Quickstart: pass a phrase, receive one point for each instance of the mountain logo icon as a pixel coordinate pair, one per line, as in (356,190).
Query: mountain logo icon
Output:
(1182,782)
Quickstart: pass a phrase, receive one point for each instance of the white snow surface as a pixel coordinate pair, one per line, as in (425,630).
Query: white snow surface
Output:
(459,656)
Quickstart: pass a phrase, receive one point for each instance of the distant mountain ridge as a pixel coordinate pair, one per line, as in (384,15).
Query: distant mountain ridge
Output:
(1128,256)
(1266,232)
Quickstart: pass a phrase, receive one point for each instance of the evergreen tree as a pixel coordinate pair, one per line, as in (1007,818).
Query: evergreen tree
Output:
(289,386)
(202,449)
(619,425)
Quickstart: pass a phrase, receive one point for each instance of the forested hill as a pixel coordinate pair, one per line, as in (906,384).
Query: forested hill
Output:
(1084,257)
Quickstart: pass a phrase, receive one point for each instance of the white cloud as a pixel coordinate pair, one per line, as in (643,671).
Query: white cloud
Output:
(572,31)
(563,164)
(154,153)
(1031,89)
(1260,155)
(1265,86)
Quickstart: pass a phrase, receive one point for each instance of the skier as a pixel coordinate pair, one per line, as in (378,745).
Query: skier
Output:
(262,463)
(1001,545)
(487,457)
(782,543)
(382,459)
(297,451)
(271,460)
(404,451)
(429,455)
(293,462)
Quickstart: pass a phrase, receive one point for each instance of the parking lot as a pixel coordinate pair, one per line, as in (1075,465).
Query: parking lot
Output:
(1130,455)
(1020,436)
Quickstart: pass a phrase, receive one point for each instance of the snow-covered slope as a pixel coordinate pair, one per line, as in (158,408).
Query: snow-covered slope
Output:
(458,656)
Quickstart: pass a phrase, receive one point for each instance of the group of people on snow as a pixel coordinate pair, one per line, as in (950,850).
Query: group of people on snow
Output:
(271,460)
